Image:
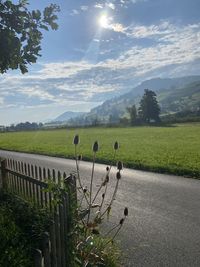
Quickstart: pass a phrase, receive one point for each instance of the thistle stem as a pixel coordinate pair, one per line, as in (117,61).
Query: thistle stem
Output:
(91,187)
(78,174)
(108,173)
(112,199)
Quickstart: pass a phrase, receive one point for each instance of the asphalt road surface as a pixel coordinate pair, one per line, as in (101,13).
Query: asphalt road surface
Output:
(163,226)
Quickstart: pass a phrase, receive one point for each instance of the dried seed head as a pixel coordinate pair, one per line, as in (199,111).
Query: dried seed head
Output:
(118,175)
(95,147)
(79,157)
(119,165)
(121,221)
(95,231)
(76,140)
(116,145)
(107,168)
(84,190)
(126,212)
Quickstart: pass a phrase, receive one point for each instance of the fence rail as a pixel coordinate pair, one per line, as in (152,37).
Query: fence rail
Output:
(29,182)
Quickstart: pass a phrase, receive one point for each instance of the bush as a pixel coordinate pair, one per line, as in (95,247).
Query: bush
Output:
(21,228)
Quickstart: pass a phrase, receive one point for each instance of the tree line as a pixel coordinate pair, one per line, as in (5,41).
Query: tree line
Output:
(23,126)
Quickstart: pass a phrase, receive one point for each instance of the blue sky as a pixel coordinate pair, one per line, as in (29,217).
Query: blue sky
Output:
(102,49)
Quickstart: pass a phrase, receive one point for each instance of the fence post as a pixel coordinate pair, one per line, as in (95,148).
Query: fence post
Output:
(38,258)
(46,250)
(4,174)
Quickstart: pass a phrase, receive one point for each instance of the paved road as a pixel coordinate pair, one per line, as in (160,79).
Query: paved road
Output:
(163,228)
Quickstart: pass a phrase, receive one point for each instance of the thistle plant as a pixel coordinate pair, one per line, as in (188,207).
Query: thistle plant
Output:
(92,210)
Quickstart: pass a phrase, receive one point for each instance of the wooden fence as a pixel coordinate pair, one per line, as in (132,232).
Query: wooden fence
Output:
(29,182)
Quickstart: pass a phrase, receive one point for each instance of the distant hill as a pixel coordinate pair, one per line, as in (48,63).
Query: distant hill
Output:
(174,95)
(180,99)
(66,116)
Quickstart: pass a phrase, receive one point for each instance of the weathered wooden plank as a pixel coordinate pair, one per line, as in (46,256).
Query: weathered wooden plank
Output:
(46,250)
(4,174)
(53,244)
(58,242)
(62,235)
(38,258)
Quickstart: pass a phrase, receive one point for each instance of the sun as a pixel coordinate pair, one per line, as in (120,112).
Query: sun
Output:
(104,21)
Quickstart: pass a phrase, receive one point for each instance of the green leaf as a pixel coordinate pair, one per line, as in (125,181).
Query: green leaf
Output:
(23,68)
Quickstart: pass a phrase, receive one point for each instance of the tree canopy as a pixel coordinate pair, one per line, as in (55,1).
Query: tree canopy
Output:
(149,108)
(132,113)
(20,33)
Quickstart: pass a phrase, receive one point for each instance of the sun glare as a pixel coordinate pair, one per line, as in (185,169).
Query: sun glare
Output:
(103,21)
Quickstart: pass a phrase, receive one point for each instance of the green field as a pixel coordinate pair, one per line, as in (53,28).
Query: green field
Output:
(162,149)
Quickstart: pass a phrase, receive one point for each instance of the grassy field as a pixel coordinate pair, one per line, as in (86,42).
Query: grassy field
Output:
(162,149)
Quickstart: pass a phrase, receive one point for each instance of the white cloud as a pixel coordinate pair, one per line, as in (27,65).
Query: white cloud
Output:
(74,12)
(84,8)
(142,31)
(38,92)
(110,5)
(101,6)
(173,53)
(117,27)
(62,70)
(1,100)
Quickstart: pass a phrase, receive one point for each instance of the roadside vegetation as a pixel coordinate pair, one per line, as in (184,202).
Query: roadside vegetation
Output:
(21,228)
(173,150)
(90,243)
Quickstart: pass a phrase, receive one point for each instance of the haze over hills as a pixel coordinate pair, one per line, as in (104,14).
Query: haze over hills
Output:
(67,116)
(167,89)
(173,94)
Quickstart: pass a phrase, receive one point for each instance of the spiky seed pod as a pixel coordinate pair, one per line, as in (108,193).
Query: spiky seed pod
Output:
(116,145)
(84,190)
(95,147)
(107,168)
(119,165)
(103,195)
(79,157)
(121,221)
(95,231)
(126,212)
(76,139)
(118,175)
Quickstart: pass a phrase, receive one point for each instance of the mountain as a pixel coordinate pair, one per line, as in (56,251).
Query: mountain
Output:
(173,94)
(180,99)
(66,116)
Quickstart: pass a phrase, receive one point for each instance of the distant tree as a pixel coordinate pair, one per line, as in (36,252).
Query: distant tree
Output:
(96,121)
(113,118)
(133,114)
(20,33)
(149,108)
(124,121)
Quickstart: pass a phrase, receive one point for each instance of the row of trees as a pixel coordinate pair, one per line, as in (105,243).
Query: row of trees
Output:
(148,110)
(23,126)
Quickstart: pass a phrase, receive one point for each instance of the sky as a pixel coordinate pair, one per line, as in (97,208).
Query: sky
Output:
(102,49)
